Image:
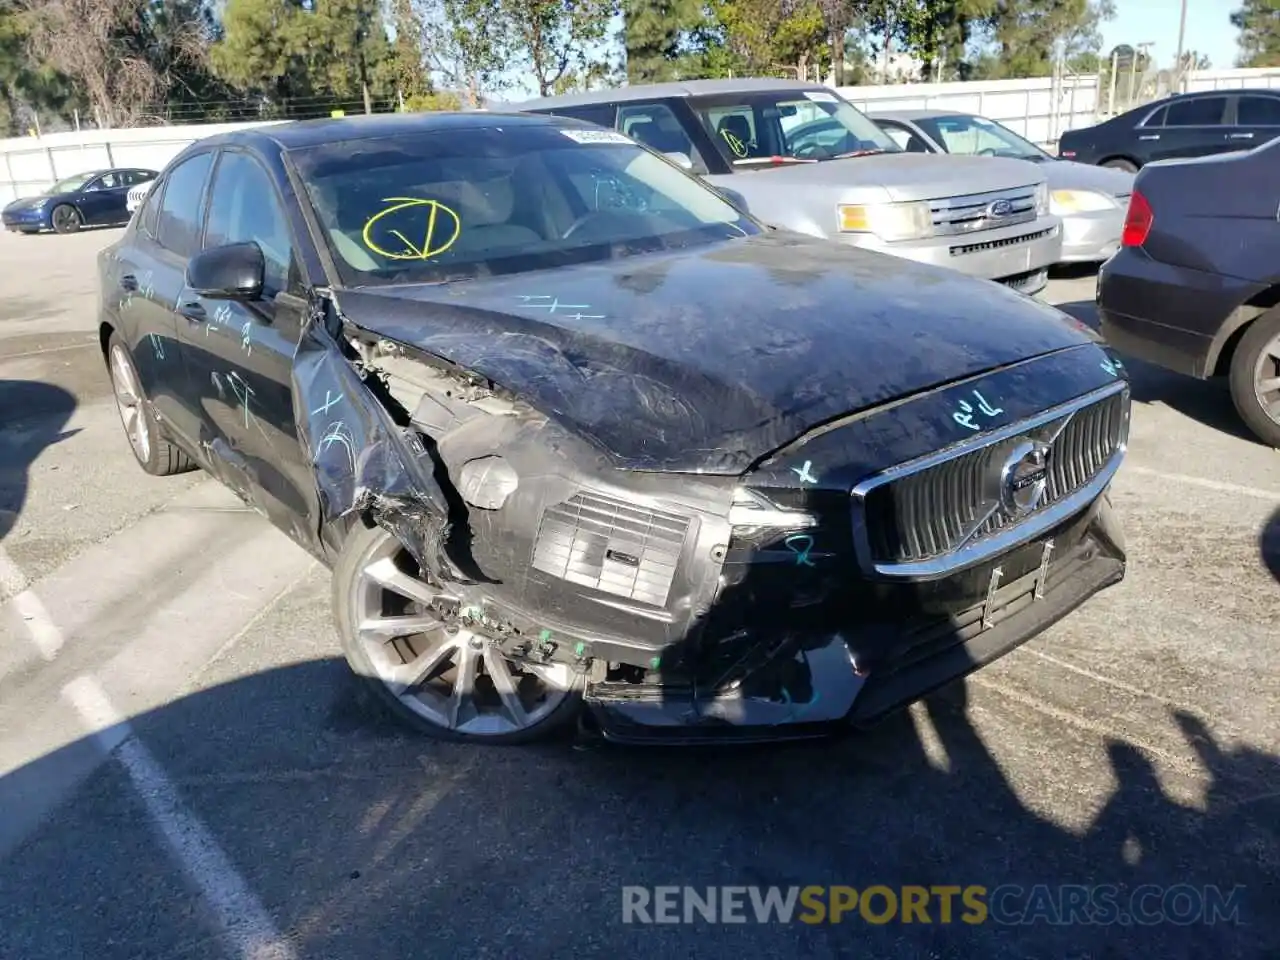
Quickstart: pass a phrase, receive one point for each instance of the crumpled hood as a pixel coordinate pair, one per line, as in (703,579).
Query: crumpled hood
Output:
(705,360)
(908,176)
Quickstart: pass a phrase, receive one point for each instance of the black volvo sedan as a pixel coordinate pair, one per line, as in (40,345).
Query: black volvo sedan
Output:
(573,431)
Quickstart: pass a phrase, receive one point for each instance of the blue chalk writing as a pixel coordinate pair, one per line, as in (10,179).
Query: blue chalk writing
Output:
(805,473)
(338,434)
(799,709)
(157,345)
(243,392)
(245,337)
(966,414)
(800,544)
(1112,366)
(217,382)
(329,401)
(552,304)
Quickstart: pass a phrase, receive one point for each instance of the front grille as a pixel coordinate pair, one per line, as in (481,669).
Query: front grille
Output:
(958,502)
(962,249)
(956,216)
(613,546)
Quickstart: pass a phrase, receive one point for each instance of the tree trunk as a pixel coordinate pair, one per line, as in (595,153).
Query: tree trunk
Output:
(837,57)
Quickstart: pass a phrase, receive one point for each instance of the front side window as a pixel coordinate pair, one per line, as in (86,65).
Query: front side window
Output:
(1200,112)
(178,228)
(789,126)
(69,185)
(977,136)
(243,206)
(500,200)
(1258,112)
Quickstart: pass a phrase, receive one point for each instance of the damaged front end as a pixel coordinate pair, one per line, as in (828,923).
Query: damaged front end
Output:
(872,560)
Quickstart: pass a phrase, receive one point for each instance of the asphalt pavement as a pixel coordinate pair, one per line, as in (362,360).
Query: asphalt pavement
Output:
(184,770)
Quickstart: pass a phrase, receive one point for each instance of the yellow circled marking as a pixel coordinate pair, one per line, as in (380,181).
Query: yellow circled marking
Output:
(429,247)
(735,143)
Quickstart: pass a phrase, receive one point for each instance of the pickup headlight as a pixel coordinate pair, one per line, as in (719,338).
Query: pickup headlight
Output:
(1062,202)
(1042,199)
(888,221)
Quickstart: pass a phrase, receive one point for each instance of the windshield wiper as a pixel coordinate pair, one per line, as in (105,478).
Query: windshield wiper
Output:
(856,153)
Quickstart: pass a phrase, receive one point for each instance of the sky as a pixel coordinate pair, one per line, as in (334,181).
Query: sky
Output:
(1209,29)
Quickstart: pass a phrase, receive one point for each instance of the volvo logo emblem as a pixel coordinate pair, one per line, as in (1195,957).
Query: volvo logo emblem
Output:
(1024,477)
(1000,208)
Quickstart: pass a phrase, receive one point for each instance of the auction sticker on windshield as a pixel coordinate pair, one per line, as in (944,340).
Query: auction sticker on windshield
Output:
(596,136)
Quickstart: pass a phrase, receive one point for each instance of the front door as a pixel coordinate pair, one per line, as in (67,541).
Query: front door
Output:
(1257,122)
(1193,127)
(104,199)
(240,354)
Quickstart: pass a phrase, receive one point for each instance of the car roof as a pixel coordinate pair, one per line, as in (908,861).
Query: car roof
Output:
(300,134)
(678,88)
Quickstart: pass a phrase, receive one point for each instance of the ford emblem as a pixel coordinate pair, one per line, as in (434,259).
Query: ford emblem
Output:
(1001,208)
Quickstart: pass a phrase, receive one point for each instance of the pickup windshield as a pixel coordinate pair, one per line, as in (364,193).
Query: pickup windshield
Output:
(789,126)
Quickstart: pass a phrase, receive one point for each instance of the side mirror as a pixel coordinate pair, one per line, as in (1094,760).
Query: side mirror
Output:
(681,160)
(733,197)
(232,272)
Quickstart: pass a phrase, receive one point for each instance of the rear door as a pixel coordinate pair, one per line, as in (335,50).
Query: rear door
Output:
(149,276)
(240,355)
(1257,120)
(1189,127)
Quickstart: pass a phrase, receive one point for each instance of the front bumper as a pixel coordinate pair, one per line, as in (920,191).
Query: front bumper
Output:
(1091,237)
(814,688)
(1169,316)
(1019,255)
(18,220)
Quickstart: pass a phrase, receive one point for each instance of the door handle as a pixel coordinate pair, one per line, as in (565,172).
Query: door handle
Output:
(1149,136)
(1239,136)
(193,311)
(129,282)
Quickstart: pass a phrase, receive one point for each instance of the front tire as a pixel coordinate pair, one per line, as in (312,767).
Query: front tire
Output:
(65,218)
(155,453)
(1255,377)
(442,678)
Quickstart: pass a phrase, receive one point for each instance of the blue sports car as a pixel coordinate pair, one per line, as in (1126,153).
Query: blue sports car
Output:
(95,198)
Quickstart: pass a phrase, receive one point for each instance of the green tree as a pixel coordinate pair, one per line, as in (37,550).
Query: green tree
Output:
(408,63)
(657,37)
(257,53)
(27,86)
(556,39)
(1259,24)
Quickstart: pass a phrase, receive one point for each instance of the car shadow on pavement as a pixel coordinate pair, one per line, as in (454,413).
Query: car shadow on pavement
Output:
(1206,401)
(360,840)
(32,417)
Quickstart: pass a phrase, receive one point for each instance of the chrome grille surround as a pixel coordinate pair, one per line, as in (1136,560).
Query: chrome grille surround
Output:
(959,216)
(942,513)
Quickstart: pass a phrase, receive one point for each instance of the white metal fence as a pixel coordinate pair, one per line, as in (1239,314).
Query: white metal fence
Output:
(1038,108)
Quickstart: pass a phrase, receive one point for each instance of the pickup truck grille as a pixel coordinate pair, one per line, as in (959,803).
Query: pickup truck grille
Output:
(924,514)
(957,216)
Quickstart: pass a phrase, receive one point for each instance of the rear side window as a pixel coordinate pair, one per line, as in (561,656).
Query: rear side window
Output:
(1258,112)
(1201,112)
(179,220)
(601,114)
(654,125)
(148,215)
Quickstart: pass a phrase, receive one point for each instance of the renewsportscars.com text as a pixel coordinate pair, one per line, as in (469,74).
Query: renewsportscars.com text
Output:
(1054,905)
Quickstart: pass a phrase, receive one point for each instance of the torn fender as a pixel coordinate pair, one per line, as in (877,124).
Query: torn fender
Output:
(362,459)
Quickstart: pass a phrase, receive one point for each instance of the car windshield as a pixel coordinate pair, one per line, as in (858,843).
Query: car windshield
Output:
(503,199)
(770,129)
(69,185)
(970,135)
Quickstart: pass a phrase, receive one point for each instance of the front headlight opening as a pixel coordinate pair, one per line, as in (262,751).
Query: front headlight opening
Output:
(750,512)
(1063,202)
(1042,199)
(889,221)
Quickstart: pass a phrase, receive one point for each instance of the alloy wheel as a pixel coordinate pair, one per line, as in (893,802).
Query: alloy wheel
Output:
(1266,379)
(65,219)
(450,676)
(129,401)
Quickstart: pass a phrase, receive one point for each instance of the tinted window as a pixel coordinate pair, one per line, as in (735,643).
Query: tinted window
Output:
(243,205)
(490,200)
(148,215)
(179,222)
(1200,112)
(1258,112)
(654,125)
(105,182)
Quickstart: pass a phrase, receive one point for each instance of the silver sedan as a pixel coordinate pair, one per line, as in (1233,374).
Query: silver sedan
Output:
(1090,200)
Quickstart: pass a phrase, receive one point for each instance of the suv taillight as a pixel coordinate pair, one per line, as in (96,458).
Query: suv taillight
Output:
(1137,222)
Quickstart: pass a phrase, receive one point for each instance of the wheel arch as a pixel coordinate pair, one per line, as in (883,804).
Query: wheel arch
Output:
(1223,347)
(1103,161)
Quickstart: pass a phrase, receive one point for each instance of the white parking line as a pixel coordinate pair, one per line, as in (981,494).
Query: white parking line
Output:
(40,626)
(245,924)
(1220,486)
